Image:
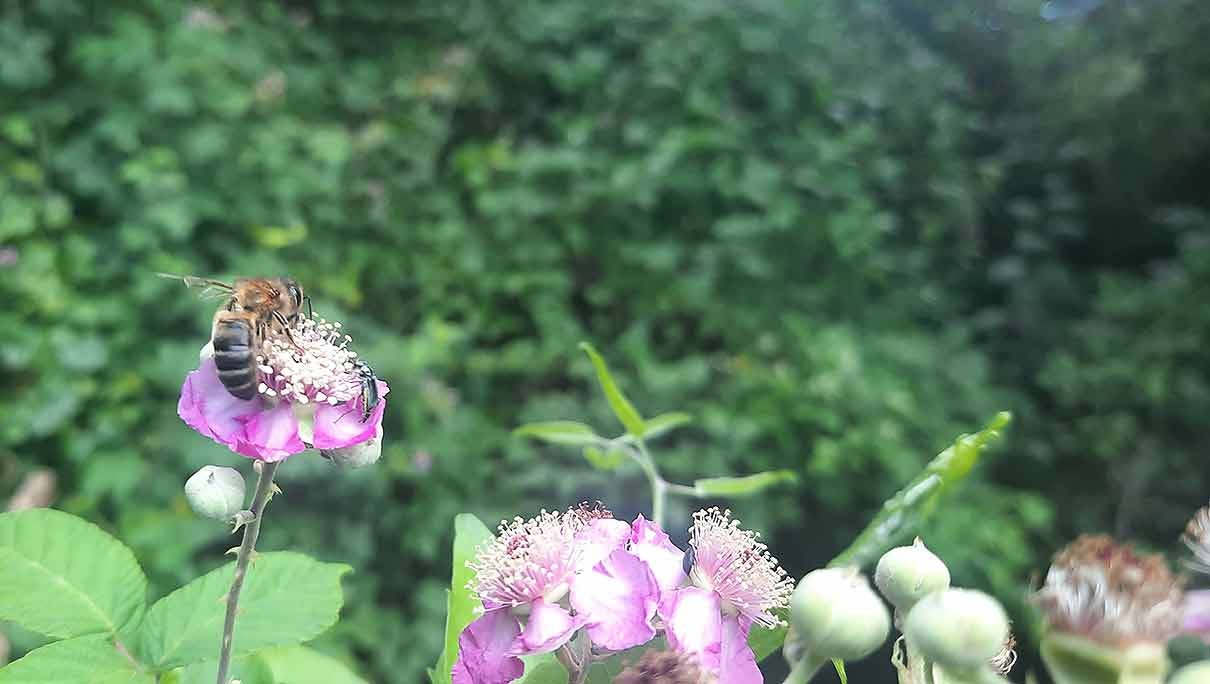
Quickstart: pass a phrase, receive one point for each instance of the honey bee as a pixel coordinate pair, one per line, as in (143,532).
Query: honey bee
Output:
(254,308)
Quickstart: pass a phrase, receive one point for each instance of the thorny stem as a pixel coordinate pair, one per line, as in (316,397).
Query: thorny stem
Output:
(264,488)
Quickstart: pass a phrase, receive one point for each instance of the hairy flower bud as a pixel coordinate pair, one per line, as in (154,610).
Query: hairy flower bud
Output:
(837,615)
(909,573)
(958,628)
(358,455)
(1193,673)
(215,492)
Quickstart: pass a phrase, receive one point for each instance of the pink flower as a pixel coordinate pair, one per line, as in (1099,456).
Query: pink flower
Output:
(734,584)
(552,575)
(1197,614)
(309,395)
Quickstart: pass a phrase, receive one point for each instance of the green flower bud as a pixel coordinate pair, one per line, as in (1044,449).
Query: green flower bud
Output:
(909,573)
(1194,673)
(358,455)
(958,628)
(215,492)
(1074,659)
(837,615)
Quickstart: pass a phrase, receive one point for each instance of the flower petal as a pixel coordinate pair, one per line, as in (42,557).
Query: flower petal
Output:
(206,405)
(270,435)
(652,545)
(693,624)
(483,646)
(737,663)
(549,627)
(598,539)
(341,425)
(1197,614)
(617,599)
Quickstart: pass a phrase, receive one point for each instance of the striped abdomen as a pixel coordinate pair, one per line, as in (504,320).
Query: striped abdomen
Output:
(234,356)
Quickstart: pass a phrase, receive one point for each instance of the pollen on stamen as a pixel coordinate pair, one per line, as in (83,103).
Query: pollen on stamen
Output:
(739,568)
(1197,539)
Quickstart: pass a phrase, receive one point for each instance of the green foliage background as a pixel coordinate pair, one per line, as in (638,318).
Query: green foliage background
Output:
(837,232)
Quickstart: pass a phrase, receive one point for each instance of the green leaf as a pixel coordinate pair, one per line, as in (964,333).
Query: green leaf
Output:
(461,604)
(901,514)
(742,486)
(622,408)
(248,670)
(64,577)
(839,665)
(94,659)
(543,669)
(604,460)
(666,422)
(287,598)
(560,432)
(304,665)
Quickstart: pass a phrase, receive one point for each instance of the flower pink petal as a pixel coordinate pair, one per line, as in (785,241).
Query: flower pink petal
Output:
(206,405)
(270,435)
(652,545)
(598,539)
(737,662)
(617,599)
(1197,614)
(341,425)
(483,646)
(549,626)
(693,624)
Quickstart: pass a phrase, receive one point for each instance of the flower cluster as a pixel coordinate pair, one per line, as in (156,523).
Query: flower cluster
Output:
(309,394)
(545,581)
(1106,592)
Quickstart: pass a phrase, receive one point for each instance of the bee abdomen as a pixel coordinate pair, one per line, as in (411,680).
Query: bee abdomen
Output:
(234,358)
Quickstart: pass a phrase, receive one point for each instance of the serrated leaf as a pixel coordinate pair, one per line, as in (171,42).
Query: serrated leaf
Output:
(65,577)
(622,408)
(304,665)
(666,422)
(604,460)
(902,513)
(287,598)
(94,659)
(743,486)
(461,604)
(560,432)
(543,669)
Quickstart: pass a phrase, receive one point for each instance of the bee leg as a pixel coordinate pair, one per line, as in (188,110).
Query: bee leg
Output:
(285,328)
(310,312)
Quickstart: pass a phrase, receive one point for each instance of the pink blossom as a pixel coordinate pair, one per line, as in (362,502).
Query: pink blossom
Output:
(735,583)
(1197,614)
(309,395)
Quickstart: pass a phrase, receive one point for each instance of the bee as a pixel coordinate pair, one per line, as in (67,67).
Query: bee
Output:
(254,308)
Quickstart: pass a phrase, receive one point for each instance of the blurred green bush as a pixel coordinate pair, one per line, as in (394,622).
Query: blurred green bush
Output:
(837,232)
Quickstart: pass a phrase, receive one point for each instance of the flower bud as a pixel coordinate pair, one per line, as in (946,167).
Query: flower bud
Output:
(909,573)
(958,628)
(837,615)
(215,492)
(357,455)
(1194,673)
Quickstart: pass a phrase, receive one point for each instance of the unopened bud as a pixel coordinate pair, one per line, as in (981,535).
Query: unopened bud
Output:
(909,573)
(215,492)
(837,615)
(958,628)
(1194,673)
(358,455)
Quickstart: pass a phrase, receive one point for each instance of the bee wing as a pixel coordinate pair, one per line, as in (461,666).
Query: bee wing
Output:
(211,288)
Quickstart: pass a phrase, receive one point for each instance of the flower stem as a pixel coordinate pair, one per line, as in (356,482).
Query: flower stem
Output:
(659,488)
(264,489)
(804,669)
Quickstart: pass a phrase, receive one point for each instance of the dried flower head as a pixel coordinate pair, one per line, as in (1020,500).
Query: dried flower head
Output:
(1197,538)
(663,667)
(1105,591)
(733,563)
(532,559)
(1006,658)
